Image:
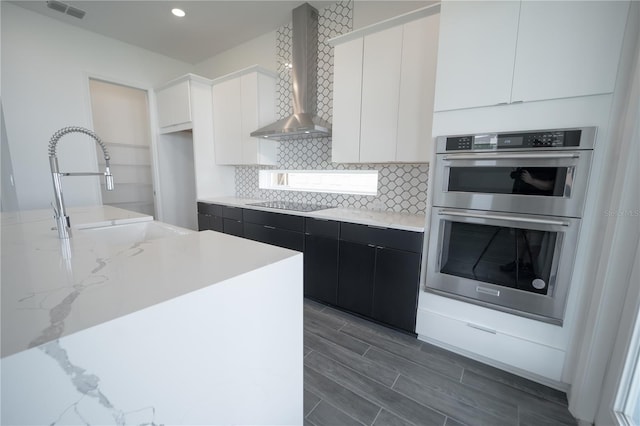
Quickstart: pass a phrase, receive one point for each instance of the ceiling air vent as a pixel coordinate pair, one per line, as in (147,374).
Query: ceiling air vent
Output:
(65,8)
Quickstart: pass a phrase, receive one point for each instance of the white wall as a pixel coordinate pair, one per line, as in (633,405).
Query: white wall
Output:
(260,50)
(45,70)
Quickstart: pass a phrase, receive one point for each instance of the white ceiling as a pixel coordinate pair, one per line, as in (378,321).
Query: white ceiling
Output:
(210,27)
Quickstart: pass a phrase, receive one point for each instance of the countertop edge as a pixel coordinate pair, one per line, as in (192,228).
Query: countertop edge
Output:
(340,214)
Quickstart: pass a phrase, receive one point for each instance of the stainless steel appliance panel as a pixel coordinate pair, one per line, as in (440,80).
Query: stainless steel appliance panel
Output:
(493,181)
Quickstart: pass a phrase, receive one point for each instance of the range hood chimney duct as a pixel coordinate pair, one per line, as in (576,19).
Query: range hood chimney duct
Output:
(304,73)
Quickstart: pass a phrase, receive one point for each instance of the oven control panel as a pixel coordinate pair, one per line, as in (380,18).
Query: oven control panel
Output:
(548,139)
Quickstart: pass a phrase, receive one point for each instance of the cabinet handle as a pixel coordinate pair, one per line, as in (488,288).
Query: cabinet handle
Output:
(269,227)
(502,103)
(371,245)
(445,212)
(478,327)
(380,247)
(517,102)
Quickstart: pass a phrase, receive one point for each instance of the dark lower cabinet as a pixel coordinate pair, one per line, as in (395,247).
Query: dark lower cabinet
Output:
(321,260)
(395,288)
(274,236)
(232,222)
(368,270)
(209,217)
(379,273)
(278,229)
(233,227)
(355,277)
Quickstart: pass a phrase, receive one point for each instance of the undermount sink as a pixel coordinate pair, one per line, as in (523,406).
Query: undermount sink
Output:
(132,233)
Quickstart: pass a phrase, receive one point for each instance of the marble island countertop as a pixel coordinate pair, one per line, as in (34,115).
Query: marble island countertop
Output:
(117,262)
(388,219)
(80,217)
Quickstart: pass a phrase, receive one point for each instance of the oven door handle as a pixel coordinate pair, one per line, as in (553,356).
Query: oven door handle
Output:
(504,217)
(515,156)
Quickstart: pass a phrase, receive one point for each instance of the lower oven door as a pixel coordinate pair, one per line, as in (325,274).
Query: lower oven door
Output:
(516,263)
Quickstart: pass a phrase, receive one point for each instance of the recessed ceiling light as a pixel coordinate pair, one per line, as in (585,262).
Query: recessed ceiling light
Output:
(178,12)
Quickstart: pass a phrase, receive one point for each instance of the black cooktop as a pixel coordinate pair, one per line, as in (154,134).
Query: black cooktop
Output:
(291,205)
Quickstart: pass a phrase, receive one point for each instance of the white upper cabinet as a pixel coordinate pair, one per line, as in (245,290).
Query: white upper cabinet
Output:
(568,48)
(380,95)
(347,95)
(494,53)
(243,102)
(417,87)
(476,53)
(227,121)
(384,78)
(173,101)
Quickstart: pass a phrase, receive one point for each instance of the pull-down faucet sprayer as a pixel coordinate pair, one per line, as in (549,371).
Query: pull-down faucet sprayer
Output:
(60,213)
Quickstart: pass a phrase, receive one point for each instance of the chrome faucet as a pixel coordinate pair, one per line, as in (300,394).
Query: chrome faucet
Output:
(60,213)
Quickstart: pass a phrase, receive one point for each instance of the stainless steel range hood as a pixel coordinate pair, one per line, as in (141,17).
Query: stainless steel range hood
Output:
(304,122)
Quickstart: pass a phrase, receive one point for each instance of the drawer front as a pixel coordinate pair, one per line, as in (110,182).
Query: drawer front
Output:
(322,228)
(475,338)
(233,227)
(385,237)
(234,213)
(276,220)
(210,209)
(277,237)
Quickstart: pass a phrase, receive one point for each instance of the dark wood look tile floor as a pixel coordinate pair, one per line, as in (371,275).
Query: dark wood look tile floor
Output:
(360,373)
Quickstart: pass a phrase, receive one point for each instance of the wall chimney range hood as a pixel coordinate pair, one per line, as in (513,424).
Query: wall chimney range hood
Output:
(304,74)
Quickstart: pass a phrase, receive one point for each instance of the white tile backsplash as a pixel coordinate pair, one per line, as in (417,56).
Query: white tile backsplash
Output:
(401,187)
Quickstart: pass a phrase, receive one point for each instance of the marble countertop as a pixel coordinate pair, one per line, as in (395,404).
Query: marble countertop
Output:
(387,219)
(52,287)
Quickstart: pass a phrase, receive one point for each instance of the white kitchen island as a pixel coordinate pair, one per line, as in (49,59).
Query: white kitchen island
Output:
(142,323)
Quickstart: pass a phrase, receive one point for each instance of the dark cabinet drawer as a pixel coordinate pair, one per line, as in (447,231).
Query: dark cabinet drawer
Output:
(276,220)
(322,228)
(383,237)
(233,227)
(277,237)
(210,209)
(234,213)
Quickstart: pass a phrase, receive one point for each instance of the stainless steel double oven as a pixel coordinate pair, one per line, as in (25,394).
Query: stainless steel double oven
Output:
(506,214)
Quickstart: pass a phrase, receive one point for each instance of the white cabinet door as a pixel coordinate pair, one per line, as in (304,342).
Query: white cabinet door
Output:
(347,96)
(568,48)
(417,85)
(380,95)
(249,117)
(174,104)
(227,122)
(243,102)
(267,150)
(476,53)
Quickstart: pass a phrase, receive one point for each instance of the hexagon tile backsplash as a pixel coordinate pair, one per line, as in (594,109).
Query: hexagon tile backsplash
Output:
(401,187)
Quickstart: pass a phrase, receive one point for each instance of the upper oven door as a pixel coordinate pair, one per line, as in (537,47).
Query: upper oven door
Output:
(550,182)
